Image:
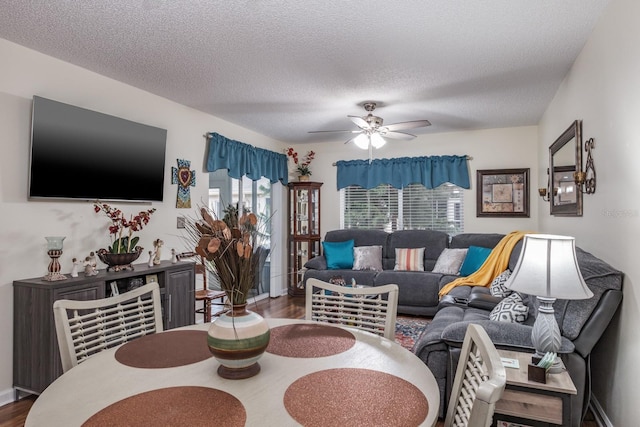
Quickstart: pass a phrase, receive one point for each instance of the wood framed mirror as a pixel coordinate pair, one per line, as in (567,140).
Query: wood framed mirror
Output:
(565,158)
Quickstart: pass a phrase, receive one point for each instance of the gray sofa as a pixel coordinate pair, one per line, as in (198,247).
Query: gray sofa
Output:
(418,290)
(581,322)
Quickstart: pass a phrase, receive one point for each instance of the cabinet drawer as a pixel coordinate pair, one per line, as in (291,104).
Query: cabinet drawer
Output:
(532,406)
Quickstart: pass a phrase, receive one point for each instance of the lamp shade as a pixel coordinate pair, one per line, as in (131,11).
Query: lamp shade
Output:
(548,267)
(362,141)
(377,141)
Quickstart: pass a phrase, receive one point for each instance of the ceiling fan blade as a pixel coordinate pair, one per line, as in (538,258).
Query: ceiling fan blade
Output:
(398,135)
(408,125)
(359,121)
(353,137)
(329,131)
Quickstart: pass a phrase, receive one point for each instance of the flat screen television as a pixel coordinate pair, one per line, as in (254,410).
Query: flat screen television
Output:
(82,154)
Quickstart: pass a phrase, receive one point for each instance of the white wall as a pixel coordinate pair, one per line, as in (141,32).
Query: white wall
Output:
(490,149)
(602,90)
(23,224)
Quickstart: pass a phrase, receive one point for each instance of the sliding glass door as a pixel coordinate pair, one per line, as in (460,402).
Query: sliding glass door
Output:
(254,196)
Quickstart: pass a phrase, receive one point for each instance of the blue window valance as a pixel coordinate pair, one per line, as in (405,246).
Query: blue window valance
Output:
(242,159)
(429,171)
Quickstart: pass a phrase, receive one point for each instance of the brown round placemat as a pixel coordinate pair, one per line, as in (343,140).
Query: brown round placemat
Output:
(309,340)
(355,397)
(171,407)
(165,350)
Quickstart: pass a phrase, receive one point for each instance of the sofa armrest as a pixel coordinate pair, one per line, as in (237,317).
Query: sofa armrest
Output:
(598,322)
(480,297)
(503,335)
(317,263)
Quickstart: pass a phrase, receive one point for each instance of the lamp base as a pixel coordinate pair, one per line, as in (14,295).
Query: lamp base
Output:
(545,335)
(52,277)
(54,266)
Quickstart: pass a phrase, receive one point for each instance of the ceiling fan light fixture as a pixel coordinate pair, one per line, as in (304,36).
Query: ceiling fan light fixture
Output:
(362,141)
(377,140)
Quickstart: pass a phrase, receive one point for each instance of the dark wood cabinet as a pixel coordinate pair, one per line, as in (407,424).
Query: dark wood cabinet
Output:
(36,358)
(304,231)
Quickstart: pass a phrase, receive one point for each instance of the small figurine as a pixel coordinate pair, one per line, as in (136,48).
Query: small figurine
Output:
(174,257)
(89,268)
(92,260)
(151,258)
(157,245)
(75,268)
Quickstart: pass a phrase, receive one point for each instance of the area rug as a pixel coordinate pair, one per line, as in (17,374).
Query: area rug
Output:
(408,329)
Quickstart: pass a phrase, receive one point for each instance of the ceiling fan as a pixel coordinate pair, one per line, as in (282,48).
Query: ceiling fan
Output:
(372,132)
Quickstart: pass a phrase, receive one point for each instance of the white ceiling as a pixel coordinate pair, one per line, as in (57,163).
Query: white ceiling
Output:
(286,67)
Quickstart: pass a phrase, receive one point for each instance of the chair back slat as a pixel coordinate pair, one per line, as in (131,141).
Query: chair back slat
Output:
(85,328)
(373,309)
(479,382)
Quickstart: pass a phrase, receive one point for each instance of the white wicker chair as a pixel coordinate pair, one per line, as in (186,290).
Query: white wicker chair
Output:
(479,383)
(88,327)
(363,308)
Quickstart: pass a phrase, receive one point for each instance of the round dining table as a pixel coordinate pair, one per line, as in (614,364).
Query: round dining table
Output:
(312,374)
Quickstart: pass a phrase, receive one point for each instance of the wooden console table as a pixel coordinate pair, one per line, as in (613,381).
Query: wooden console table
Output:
(36,358)
(534,403)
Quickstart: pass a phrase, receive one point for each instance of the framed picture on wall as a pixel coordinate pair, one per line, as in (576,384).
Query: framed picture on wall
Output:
(502,193)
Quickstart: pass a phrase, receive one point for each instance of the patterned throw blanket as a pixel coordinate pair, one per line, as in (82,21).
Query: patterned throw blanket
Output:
(496,263)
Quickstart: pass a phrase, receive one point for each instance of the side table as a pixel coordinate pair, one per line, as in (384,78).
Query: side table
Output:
(532,403)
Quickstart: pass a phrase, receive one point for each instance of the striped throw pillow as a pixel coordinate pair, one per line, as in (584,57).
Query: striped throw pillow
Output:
(409,259)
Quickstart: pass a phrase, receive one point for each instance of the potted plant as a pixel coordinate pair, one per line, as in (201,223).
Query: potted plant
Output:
(228,248)
(302,166)
(124,247)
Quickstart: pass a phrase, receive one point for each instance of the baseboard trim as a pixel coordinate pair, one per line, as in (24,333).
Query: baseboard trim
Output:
(7,396)
(599,414)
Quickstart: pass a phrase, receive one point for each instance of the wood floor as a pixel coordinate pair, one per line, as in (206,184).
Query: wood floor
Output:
(14,414)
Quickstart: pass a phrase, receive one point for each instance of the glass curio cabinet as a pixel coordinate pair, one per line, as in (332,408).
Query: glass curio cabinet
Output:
(304,231)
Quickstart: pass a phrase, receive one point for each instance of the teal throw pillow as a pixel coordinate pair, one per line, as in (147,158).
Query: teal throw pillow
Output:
(338,254)
(476,256)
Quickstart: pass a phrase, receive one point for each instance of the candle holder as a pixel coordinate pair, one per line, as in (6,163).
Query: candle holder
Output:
(54,250)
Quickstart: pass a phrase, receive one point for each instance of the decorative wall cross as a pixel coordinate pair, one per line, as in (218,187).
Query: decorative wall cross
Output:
(185,178)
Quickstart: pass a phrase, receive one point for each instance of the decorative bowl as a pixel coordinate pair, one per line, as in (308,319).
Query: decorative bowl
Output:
(117,262)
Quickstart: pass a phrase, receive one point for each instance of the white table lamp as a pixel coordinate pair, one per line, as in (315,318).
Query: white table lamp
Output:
(548,269)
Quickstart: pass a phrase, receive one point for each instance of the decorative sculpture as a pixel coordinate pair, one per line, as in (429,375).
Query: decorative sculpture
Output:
(75,268)
(185,178)
(157,251)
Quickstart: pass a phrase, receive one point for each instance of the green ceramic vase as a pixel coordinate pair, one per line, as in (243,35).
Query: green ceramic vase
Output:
(237,339)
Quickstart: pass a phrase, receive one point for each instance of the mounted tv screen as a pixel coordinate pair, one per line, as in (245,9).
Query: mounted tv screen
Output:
(82,154)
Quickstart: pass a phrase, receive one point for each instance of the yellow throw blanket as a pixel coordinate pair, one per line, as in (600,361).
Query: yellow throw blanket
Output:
(495,264)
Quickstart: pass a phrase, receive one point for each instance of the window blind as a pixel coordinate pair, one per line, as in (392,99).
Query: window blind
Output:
(412,208)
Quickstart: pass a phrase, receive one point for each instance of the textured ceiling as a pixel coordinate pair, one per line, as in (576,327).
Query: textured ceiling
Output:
(286,67)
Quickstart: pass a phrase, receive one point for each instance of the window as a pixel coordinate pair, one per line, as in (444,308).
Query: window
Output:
(252,195)
(414,207)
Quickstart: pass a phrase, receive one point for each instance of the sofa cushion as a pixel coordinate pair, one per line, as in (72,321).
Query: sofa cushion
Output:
(451,324)
(449,261)
(417,288)
(361,237)
(511,309)
(409,259)
(317,263)
(497,287)
(362,277)
(600,277)
(476,256)
(367,258)
(485,240)
(338,254)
